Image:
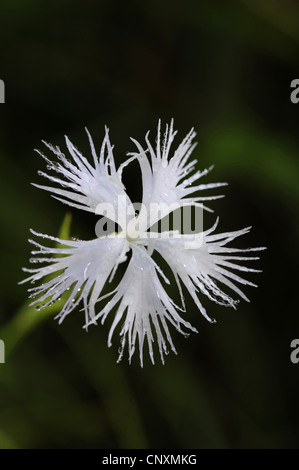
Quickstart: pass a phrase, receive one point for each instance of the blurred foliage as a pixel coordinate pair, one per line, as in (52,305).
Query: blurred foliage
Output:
(224,68)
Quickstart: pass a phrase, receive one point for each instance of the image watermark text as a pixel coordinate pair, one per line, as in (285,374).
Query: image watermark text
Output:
(151,221)
(2,91)
(295,93)
(295,352)
(2,352)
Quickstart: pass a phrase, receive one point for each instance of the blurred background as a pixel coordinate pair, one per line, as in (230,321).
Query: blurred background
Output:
(224,68)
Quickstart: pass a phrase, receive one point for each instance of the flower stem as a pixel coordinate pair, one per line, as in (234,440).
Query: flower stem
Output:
(28,318)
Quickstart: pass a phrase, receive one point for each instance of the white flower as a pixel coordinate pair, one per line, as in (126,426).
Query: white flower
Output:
(200,262)
(87,185)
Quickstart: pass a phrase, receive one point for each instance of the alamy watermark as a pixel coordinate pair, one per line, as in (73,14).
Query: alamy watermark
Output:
(2,91)
(2,352)
(157,458)
(295,353)
(151,221)
(295,93)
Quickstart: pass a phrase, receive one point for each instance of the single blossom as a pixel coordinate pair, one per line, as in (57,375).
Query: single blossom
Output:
(203,263)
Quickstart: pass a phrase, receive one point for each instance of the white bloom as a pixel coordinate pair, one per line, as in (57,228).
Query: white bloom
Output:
(143,307)
(85,268)
(87,185)
(165,180)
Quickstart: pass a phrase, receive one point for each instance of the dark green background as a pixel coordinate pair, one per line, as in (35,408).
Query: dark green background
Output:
(224,67)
